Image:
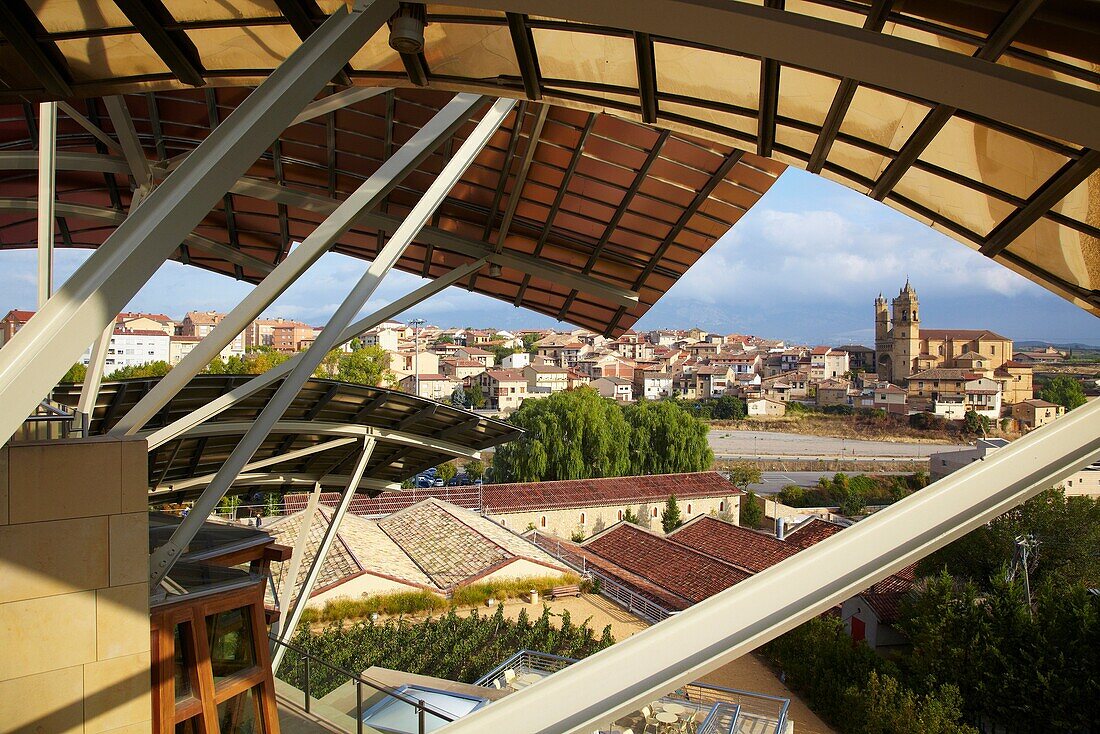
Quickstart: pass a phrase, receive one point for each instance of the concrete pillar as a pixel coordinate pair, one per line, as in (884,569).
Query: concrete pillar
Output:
(74,599)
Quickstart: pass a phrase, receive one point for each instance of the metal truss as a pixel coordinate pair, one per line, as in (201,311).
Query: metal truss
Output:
(163,558)
(39,354)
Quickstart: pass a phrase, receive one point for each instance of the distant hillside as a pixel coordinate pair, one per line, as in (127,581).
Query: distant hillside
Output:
(1076,346)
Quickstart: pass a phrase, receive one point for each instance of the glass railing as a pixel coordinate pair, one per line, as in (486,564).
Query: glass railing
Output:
(349,701)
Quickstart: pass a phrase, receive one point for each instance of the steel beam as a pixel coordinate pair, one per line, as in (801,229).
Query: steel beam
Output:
(275,478)
(337,101)
(300,601)
(521,175)
(81,211)
(710,634)
(164,557)
(523,43)
(40,353)
(182,425)
(290,576)
(140,169)
(93,376)
(369,194)
(174,47)
(254,465)
(20,26)
(1060,110)
(47,195)
(94,130)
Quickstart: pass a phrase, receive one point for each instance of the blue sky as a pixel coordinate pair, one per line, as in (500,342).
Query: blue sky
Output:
(805,264)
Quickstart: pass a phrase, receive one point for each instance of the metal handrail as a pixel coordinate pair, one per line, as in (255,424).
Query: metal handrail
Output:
(522,656)
(420,706)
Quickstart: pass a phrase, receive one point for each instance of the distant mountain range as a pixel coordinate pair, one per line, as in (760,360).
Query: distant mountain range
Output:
(1070,345)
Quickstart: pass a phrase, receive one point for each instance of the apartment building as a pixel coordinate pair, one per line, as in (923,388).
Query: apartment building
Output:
(503,389)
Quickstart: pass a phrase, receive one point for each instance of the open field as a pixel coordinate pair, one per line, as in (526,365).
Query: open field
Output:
(854,427)
(735,444)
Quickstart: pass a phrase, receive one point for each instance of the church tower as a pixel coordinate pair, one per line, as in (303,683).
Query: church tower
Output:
(906,333)
(883,341)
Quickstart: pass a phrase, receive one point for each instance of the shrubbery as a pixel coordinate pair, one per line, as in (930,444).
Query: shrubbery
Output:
(453,647)
(852,494)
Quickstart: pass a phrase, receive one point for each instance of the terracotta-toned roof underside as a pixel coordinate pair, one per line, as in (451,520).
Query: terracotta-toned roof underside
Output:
(598,162)
(980,118)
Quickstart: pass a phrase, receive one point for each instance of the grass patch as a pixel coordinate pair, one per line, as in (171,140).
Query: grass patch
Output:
(420,602)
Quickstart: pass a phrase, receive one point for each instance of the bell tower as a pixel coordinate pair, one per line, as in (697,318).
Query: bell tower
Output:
(906,332)
(883,340)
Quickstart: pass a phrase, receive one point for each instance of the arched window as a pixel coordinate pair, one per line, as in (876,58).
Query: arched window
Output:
(502,522)
(620,514)
(542,522)
(582,518)
(722,506)
(654,512)
(689,508)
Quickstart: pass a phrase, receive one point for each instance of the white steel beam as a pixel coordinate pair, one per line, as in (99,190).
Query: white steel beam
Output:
(274,478)
(300,601)
(164,557)
(1033,102)
(96,131)
(253,465)
(93,377)
(197,242)
(290,576)
(39,354)
(337,101)
(47,175)
(321,428)
(138,164)
(710,634)
(259,382)
(369,194)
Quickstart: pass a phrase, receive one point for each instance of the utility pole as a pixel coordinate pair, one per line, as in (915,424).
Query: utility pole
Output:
(416,324)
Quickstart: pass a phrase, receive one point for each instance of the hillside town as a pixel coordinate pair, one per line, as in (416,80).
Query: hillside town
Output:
(946,372)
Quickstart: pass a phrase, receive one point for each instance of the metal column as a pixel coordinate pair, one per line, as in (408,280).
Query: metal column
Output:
(372,191)
(47,173)
(93,377)
(259,382)
(40,353)
(295,612)
(290,576)
(685,647)
(165,557)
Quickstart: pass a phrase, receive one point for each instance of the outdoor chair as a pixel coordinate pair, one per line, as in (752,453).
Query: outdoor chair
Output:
(650,722)
(510,677)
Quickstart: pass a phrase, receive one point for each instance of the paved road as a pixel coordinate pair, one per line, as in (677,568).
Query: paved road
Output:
(767,444)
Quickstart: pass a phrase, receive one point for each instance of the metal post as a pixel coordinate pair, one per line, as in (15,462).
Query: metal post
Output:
(306,691)
(294,613)
(47,171)
(358,706)
(372,191)
(420,716)
(259,382)
(165,557)
(290,579)
(40,353)
(416,355)
(93,377)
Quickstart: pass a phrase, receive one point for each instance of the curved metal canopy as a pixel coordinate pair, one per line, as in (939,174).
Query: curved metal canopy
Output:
(609,213)
(318,440)
(978,117)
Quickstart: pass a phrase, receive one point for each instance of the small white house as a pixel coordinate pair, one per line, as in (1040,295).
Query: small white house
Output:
(765,407)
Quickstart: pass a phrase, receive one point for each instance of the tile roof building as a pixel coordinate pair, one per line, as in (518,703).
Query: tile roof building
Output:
(431,545)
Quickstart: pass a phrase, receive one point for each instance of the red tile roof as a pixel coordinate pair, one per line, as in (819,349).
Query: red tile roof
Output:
(609,491)
(682,570)
(17,315)
(811,532)
(734,544)
(886,596)
(966,334)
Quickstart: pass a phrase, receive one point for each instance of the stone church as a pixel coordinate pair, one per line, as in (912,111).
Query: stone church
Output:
(903,349)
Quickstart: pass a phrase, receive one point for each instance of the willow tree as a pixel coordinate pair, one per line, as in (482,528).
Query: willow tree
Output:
(666,439)
(575,434)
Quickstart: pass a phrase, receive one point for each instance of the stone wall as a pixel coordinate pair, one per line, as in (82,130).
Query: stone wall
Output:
(74,598)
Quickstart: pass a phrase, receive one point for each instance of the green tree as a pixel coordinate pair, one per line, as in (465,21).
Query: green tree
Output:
(883,706)
(529,341)
(160,368)
(666,439)
(446,471)
(1065,391)
(475,398)
(366,366)
(500,352)
(458,397)
(76,374)
(729,407)
(975,424)
(791,495)
(743,474)
(445,339)
(630,517)
(575,434)
(751,513)
(670,516)
(475,469)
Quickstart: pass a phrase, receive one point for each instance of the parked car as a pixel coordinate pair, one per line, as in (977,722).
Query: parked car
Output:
(438,482)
